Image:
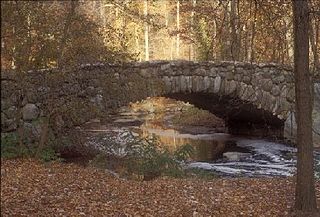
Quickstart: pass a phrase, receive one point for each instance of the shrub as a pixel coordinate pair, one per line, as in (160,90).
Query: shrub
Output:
(10,148)
(152,160)
(48,154)
(131,156)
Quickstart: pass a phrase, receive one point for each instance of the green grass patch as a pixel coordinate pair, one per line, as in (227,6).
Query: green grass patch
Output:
(11,149)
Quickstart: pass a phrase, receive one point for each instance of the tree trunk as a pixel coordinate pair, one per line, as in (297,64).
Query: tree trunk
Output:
(313,39)
(166,14)
(146,30)
(178,29)
(136,36)
(305,199)
(253,33)
(13,60)
(224,36)
(171,49)
(103,14)
(234,48)
(65,35)
(191,48)
(288,37)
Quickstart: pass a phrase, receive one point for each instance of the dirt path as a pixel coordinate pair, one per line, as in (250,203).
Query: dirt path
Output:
(30,188)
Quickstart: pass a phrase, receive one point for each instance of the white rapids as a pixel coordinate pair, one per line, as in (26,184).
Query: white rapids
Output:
(266,159)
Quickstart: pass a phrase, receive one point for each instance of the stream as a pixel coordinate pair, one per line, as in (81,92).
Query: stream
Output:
(222,153)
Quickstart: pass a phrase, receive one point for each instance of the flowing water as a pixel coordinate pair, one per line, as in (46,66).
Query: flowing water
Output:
(230,155)
(221,153)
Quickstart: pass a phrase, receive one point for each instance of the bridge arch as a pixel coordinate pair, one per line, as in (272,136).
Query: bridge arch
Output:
(247,95)
(258,94)
(267,87)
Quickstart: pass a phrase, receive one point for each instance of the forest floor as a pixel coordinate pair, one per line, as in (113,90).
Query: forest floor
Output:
(31,188)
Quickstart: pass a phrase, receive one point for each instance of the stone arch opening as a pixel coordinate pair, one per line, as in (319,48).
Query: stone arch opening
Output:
(242,118)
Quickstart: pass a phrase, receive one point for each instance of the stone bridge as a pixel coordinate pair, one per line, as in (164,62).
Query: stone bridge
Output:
(267,87)
(257,96)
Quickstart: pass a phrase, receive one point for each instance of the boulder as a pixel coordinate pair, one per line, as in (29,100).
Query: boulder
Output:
(6,123)
(235,156)
(11,112)
(30,112)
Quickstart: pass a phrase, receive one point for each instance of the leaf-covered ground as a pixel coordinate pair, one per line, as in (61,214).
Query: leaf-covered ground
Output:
(30,188)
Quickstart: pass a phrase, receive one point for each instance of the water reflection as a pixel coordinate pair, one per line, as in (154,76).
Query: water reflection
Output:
(208,147)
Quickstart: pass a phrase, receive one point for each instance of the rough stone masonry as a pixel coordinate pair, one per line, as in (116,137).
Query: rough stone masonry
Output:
(267,87)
